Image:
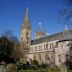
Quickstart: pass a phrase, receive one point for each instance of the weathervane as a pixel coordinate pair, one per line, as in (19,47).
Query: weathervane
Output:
(39,32)
(40,24)
(66,27)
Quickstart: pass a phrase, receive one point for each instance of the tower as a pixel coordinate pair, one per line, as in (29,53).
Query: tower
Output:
(39,32)
(25,36)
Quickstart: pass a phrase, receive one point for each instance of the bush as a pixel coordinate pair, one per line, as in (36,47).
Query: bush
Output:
(42,66)
(11,68)
(35,62)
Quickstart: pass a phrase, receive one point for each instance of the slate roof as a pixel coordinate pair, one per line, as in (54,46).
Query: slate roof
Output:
(58,36)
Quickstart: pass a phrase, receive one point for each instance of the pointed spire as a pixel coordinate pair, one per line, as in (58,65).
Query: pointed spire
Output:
(66,33)
(26,24)
(27,15)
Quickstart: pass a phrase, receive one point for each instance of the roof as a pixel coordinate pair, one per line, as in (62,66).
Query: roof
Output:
(58,36)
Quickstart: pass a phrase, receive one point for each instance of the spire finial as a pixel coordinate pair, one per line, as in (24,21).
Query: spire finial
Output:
(66,27)
(40,24)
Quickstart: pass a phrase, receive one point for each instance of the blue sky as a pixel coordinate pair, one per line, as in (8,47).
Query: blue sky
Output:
(12,14)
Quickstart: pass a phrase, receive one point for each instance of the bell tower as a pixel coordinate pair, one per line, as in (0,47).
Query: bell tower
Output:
(25,36)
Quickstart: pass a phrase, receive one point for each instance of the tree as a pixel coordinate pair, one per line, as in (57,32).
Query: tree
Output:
(16,54)
(6,48)
(35,62)
(9,47)
(66,13)
(68,2)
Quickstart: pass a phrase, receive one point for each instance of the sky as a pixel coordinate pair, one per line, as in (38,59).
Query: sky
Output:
(12,13)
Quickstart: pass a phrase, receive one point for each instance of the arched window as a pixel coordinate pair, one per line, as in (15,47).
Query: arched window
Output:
(35,48)
(47,57)
(27,36)
(59,58)
(30,61)
(34,58)
(40,57)
(46,45)
(40,47)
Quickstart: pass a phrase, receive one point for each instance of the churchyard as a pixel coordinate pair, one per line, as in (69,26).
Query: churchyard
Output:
(47,69)
(31,68)
(10,60)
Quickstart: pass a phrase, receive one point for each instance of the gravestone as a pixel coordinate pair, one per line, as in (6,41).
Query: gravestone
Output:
(49,69)
(63,68)
(2,68)
(11,68)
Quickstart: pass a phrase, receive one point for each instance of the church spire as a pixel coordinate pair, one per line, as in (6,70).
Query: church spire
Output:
(26,24)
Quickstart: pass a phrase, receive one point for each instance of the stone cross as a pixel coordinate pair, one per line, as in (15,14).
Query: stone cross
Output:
(2,68)
(63,68)
(11,68)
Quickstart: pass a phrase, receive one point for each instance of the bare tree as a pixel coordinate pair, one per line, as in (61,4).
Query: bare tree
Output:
(16,53)
(65,15)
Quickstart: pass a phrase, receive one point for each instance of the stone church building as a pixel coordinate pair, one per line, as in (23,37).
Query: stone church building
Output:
(50,49)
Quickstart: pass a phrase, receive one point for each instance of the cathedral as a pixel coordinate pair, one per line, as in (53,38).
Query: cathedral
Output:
(51,49)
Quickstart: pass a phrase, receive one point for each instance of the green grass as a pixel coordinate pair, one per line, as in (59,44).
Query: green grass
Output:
(42,70)
(69,70)
(26,71)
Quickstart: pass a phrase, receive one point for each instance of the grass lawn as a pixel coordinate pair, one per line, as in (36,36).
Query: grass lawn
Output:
(40,70)
(43,70)
(27,71)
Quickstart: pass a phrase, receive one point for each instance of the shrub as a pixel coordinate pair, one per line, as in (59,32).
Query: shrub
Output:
(11,68)
(35,62)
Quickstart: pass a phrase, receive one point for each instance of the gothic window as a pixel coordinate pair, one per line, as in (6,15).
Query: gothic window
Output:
(35,48)
(40,48)
(50,45)
(59,58)
(40,57)
(30,61)
(27,42)
(46,46)
(34,58)
(46,57)
(27,33)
